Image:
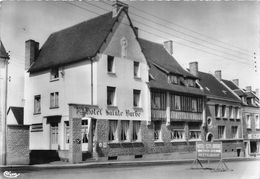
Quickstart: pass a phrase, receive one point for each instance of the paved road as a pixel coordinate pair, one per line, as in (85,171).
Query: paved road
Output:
(239,170)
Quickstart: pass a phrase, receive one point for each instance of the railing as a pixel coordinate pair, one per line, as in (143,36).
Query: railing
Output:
(158,114)
(178,115)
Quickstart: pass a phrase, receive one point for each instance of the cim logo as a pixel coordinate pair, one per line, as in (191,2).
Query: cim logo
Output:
(9,174)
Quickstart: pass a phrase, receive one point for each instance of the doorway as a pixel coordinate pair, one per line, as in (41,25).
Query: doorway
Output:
(54,130)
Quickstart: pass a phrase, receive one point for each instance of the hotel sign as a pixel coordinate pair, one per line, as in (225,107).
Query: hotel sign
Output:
(209,150)
(91,110)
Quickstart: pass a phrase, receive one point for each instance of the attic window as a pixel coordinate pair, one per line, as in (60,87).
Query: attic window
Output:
(54,74)
(173,79)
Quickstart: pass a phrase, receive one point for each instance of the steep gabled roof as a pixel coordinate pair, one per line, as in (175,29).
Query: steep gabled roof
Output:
(234,87)
(3,53)
(160,81)
(156,54)
(18,114)
(75,43)
(214,88)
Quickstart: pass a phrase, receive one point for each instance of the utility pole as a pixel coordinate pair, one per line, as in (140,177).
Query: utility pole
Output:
(4,57)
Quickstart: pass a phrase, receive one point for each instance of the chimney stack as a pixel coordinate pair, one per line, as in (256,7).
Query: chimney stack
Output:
(168,46)
(236,82)
(117,6)
(194,68)
(31,52)
(218,75)
(249,88)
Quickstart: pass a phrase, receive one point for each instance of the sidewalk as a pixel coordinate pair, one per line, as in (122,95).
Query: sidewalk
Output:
(97,164)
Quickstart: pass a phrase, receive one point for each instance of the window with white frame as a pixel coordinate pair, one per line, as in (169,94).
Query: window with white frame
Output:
(112,131)
(136,131)
(136,98)
(237,113)
(124,131)
(157,130)
(221,132)
(136,69)
(54,100)
(194,134)
(194,105)
(248,121)
(111,96)
(177,134)
(110,64)
(257,122)
(84,131)
(54,73)
(234,131)
(37,104)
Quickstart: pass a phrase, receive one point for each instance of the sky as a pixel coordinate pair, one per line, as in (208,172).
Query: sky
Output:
(219,35)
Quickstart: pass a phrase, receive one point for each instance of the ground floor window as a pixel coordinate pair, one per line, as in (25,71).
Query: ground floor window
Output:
(136,130)
(177,134)
(112,131)
(67,132)
(157,130)
(124,130)
(194,134)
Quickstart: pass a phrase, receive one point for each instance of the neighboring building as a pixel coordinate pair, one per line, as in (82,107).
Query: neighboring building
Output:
(223,113)
(4,57)
(250,116)
(97,88)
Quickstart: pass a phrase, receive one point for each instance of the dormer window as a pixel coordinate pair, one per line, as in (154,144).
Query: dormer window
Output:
(54,74)
(173,79)
(190,82)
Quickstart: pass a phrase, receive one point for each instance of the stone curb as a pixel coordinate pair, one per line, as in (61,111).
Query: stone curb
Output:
(113,164)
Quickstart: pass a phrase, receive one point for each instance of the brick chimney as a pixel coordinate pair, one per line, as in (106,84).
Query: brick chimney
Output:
(249,88)
(236,82)
(218,75)
(31,52)
(194,68)
(168,46)
(117,6)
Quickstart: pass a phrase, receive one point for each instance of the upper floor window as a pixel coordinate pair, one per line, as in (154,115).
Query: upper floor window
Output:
(173,79)
(136,96)
(248,121)
(237,113)
(110,64)
(177,102)
(136,69)
(217,111)
(158,100)
(221,132)
(54,73)
(224,111)
(37,104)
(234,131)
(231,112)
(190,82)
(194,105)
(111,96)
(54,100)
(257,122)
